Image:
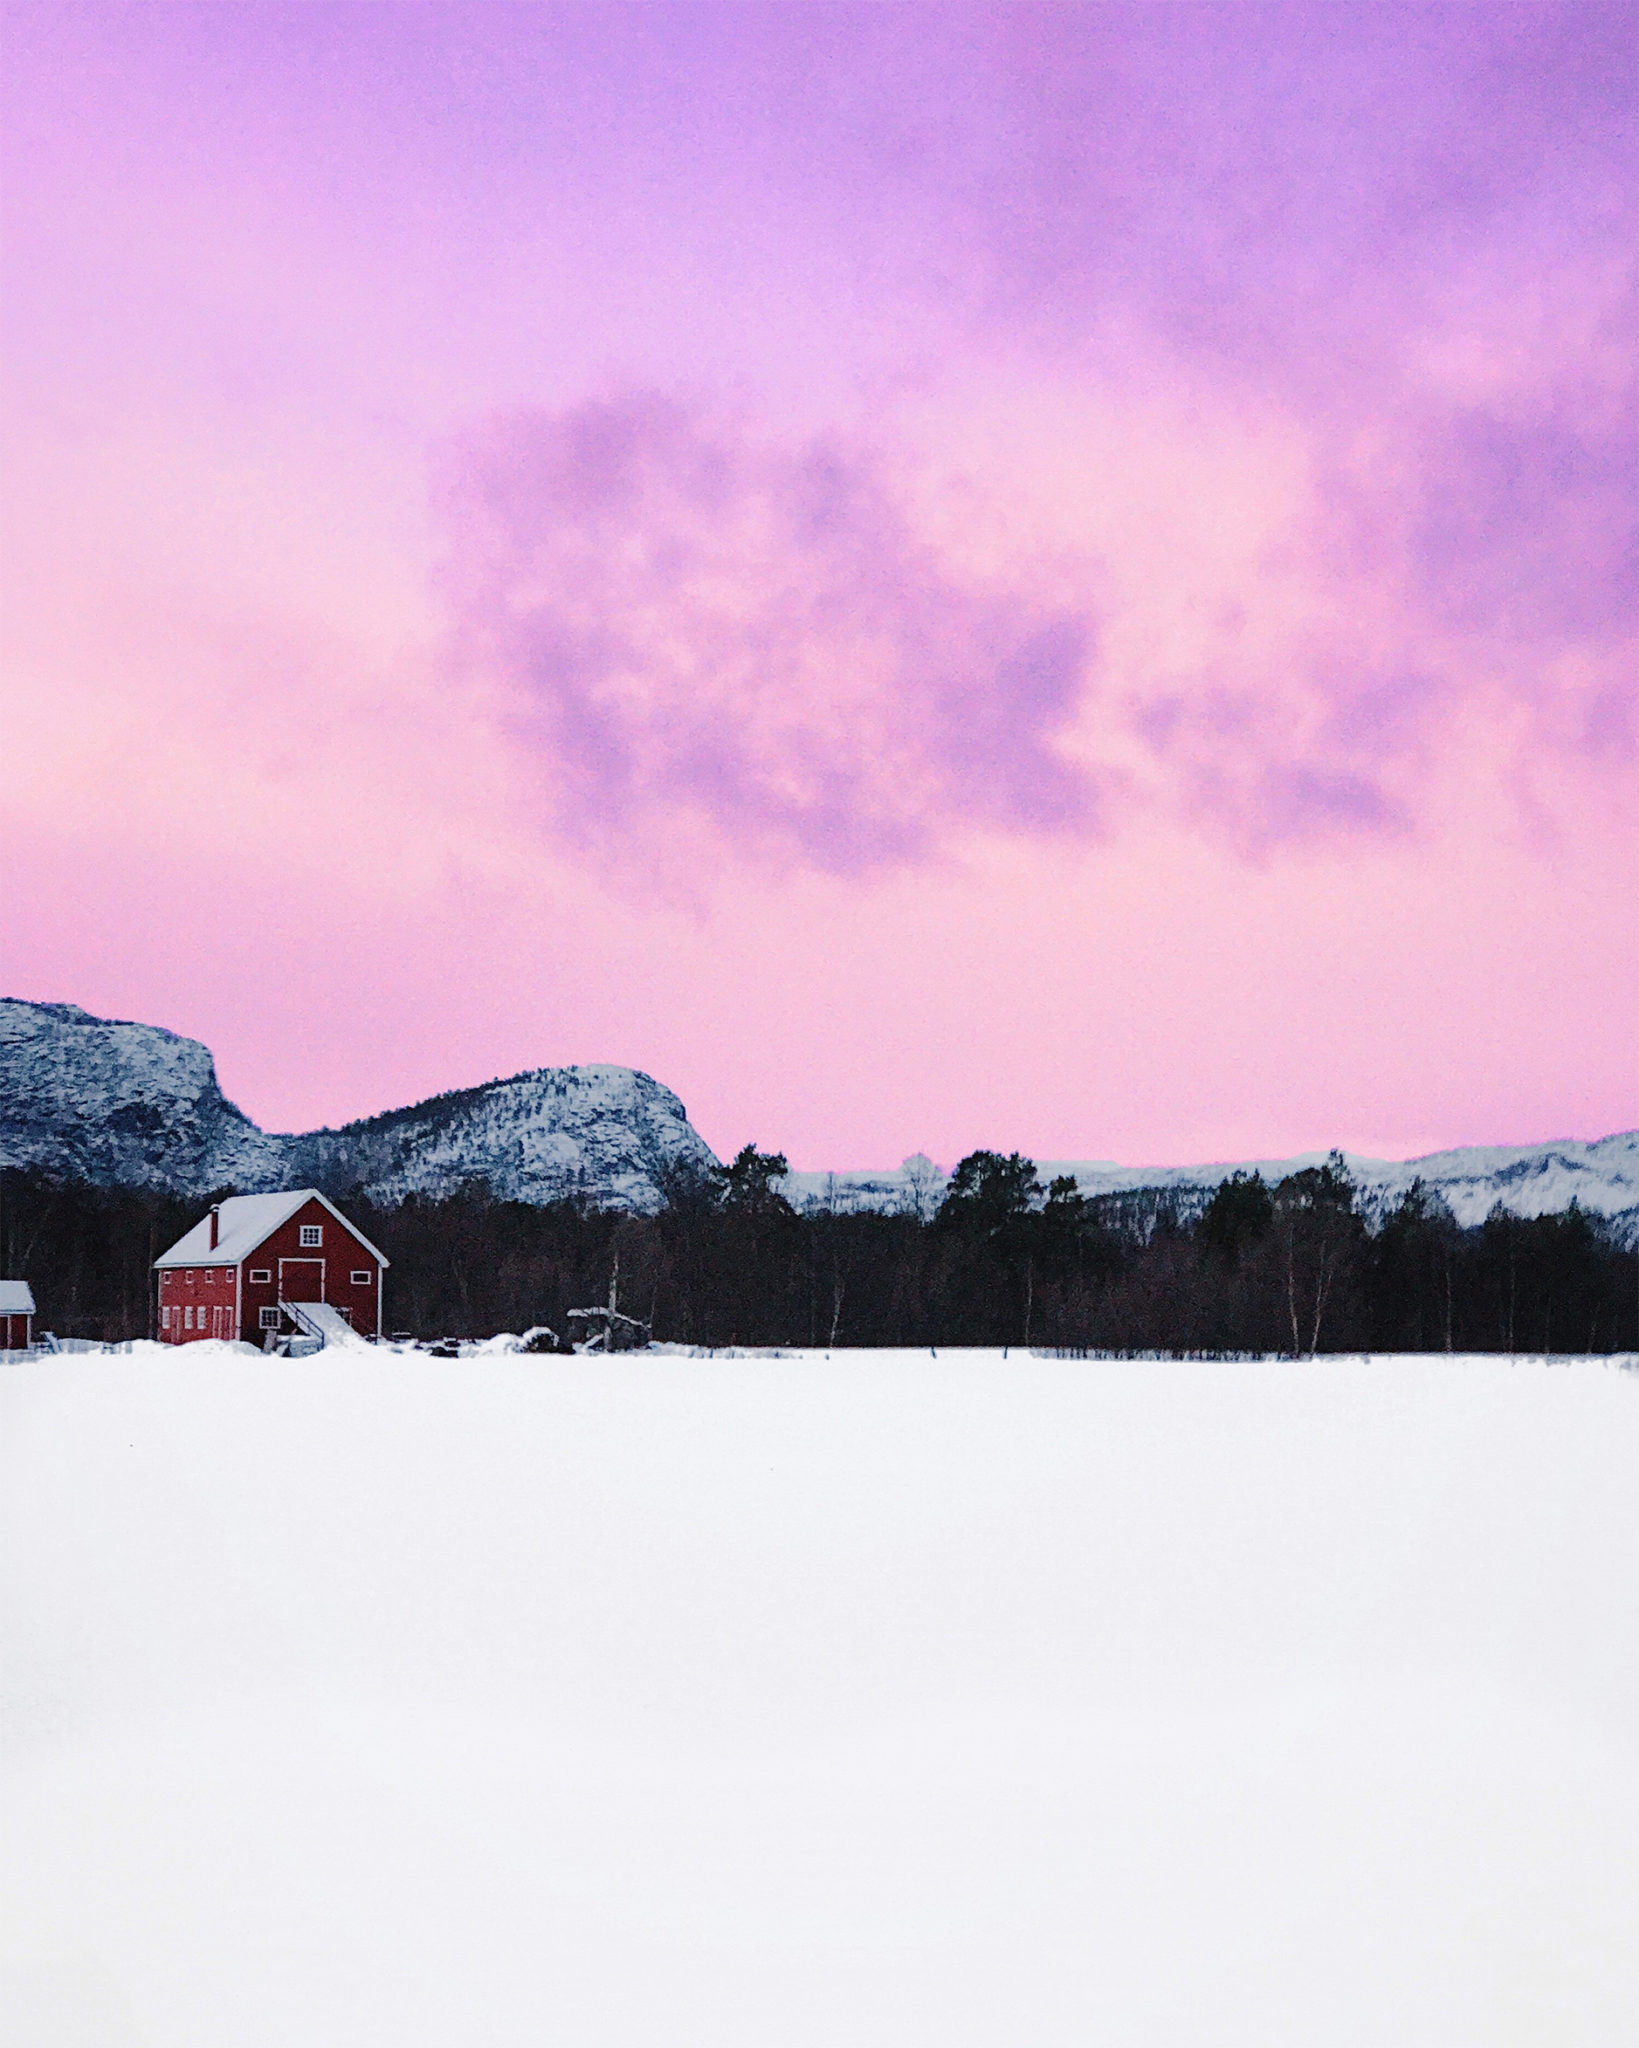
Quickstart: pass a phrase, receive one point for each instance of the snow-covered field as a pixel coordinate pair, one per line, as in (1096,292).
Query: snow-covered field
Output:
(819,1703)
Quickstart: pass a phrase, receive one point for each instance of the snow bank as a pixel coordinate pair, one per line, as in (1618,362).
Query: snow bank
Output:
(371,1698)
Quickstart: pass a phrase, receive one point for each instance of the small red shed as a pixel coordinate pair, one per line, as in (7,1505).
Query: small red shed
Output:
(16,1315)
(233,1273)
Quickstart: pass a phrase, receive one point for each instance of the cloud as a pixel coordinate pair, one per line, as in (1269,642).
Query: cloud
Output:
(1529,528)
(1377,266)
(692,634)
(684,621)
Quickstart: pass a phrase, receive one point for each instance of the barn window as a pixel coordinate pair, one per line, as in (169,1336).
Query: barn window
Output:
(187,1319)
(312,1234)
(261,1274)
(190,1276)
(268,1318)
(361,1279)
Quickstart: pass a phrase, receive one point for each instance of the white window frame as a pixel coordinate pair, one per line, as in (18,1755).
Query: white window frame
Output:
(267,1319)
(261,1276)
(361,1276)
(311,1237)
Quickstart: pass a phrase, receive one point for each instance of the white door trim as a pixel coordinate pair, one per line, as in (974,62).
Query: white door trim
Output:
(297,1260)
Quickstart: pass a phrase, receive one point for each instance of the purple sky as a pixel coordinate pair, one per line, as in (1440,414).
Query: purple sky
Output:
(1058,577)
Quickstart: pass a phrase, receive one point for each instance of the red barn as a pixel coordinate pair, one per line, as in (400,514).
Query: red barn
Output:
(16,1315)
(237,1267)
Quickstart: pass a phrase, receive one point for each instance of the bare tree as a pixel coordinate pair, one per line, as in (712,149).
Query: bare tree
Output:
(925,1184)
(1318,1229)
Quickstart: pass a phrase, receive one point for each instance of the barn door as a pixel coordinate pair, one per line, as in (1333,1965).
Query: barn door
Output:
(301,1279)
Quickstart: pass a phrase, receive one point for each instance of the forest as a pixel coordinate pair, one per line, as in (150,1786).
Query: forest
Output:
(1001,1260)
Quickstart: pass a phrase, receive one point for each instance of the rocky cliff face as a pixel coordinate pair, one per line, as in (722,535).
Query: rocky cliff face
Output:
(132,1105)
(122,1105)
(604,1133)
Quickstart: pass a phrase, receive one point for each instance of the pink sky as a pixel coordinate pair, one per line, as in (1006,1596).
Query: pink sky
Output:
(1057,578)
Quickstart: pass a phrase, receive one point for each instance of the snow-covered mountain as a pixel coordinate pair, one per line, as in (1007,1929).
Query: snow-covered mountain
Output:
(124,1105)
(133,1105)
(607,1133)
(1531,1180)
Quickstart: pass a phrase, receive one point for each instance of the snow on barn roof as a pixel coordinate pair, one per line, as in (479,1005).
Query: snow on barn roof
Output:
(16,1298)
(244,1222)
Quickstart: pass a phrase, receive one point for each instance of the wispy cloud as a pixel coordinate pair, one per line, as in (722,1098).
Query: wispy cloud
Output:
(686,618)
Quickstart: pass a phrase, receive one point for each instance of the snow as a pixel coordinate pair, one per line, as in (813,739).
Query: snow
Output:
(319,1319)
(16,1298)
(871,1699)
(244,1222)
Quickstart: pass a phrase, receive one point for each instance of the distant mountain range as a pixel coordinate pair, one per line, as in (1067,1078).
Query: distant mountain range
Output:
(132,1105)
(1531,1180)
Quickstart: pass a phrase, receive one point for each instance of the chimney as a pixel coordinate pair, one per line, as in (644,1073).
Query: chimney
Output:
(216,1223)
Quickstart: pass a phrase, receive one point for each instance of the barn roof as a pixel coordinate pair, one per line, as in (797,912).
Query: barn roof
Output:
(247,1221)
(16,1298)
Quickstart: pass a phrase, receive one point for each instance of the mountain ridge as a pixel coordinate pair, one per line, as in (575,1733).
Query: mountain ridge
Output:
(125,1104)
(117,1102)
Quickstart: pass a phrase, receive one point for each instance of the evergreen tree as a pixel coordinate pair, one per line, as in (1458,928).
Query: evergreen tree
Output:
(749,1182)
(1238,1216)
(988,1191)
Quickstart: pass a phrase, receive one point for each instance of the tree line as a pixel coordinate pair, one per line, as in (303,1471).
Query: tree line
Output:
(1289,1267)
